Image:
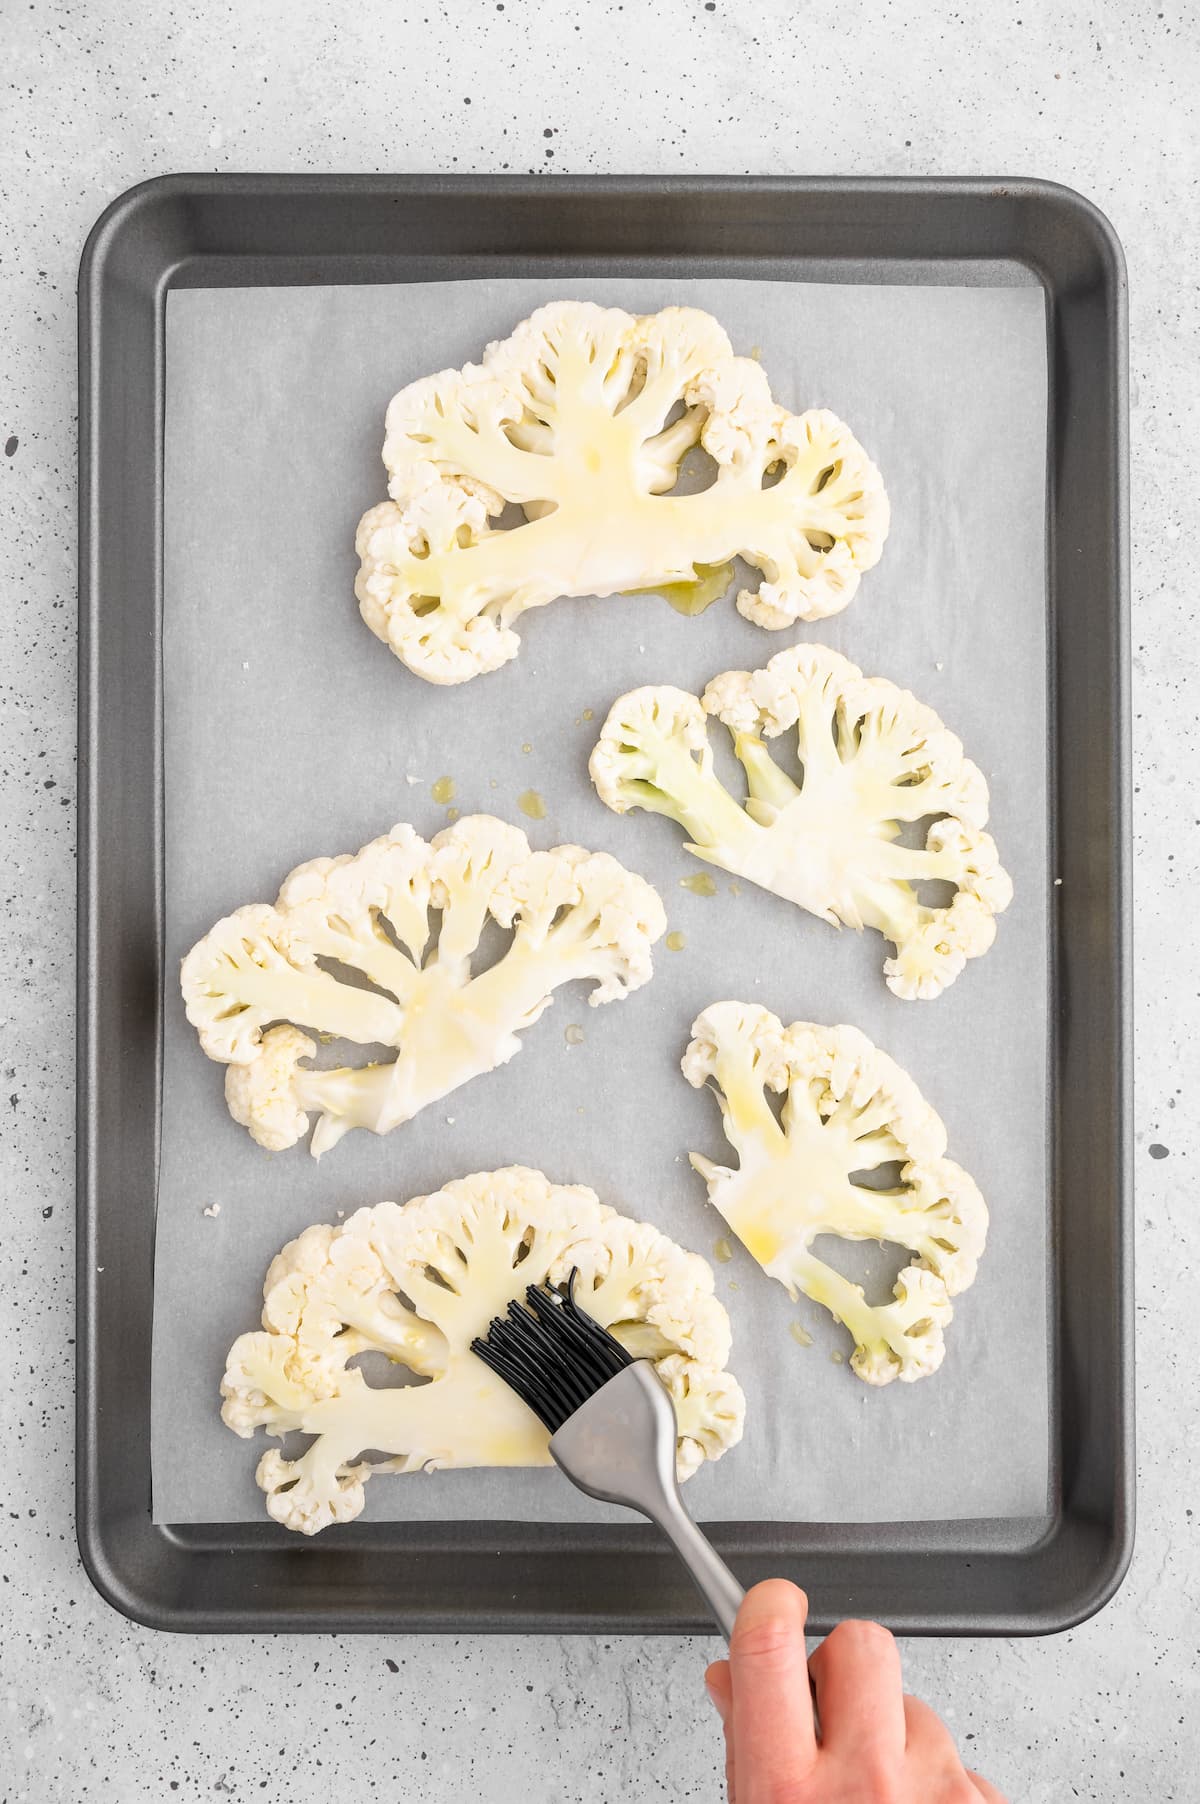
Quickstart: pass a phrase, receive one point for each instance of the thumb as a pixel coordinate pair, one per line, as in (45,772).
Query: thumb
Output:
(772,1723)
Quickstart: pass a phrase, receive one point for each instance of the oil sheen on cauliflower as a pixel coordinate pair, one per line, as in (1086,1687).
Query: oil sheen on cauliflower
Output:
(573,915)
(848,1110)
(578,424)
(872,759)
(416,1283)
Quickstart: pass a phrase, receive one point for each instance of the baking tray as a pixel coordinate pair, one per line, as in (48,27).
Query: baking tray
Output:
(978,1577)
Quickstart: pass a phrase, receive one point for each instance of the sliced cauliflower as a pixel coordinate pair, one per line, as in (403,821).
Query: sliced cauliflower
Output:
(572,422)
(573,915)
(417,1283)
(848,1110)
(872,758)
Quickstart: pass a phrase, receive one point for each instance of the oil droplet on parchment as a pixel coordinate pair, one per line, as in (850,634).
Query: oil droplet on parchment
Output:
(722,1251)
(838,1357)
(532,804)
(800,1334)
(700,885)
(574,1035)
(709,584)
(676,941)
(443,790)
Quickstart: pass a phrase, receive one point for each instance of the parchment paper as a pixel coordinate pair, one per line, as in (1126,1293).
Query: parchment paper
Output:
(291,732)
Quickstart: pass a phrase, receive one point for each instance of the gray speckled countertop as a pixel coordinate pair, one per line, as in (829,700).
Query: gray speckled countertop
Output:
(1101,96)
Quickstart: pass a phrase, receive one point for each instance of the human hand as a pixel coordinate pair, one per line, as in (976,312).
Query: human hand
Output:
(876,1745)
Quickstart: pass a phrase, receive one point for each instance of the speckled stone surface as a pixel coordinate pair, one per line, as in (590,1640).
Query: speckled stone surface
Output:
(1102,96)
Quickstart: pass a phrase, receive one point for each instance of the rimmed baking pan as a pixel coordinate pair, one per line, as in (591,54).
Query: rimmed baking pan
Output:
(981,1575)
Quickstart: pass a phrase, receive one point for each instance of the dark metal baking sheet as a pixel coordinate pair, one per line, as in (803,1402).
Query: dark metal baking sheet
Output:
(973,1577)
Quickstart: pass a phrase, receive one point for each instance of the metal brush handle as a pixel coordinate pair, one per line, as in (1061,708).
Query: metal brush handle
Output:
(709,1573)
(619,1446)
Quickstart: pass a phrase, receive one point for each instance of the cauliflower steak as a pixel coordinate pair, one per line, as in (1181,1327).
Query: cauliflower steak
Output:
(416,1284)
(848,1110)
(573,915)
(872,758)
(579,423)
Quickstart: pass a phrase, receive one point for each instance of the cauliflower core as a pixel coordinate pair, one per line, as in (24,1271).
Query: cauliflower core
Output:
(573,914)
(848,1110)
(579,422)
(872,759)
(416,1284)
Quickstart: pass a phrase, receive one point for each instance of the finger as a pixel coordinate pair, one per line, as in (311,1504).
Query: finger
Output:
(730,1764)
(856,1672)
(926,1733)
(772,1723)
(931,1745)
(719,1686)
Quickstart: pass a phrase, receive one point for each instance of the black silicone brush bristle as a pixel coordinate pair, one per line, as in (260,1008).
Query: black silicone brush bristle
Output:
(551,1352)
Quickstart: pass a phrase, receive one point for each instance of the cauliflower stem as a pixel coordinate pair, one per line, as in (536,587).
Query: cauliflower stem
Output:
(416,1284)
(848,1110)
(571,420)
(574,916)
(872,758)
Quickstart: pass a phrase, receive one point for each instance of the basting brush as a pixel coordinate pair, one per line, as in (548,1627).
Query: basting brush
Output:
(611,1422)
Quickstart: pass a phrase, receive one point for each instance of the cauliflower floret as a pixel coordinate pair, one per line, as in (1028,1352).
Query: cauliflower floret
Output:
(849,1110)
(308,1497)
(585,912)
(574,915)
(568,420)
(709,1408)
(872,759)
(418,1283)
(264,1095)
